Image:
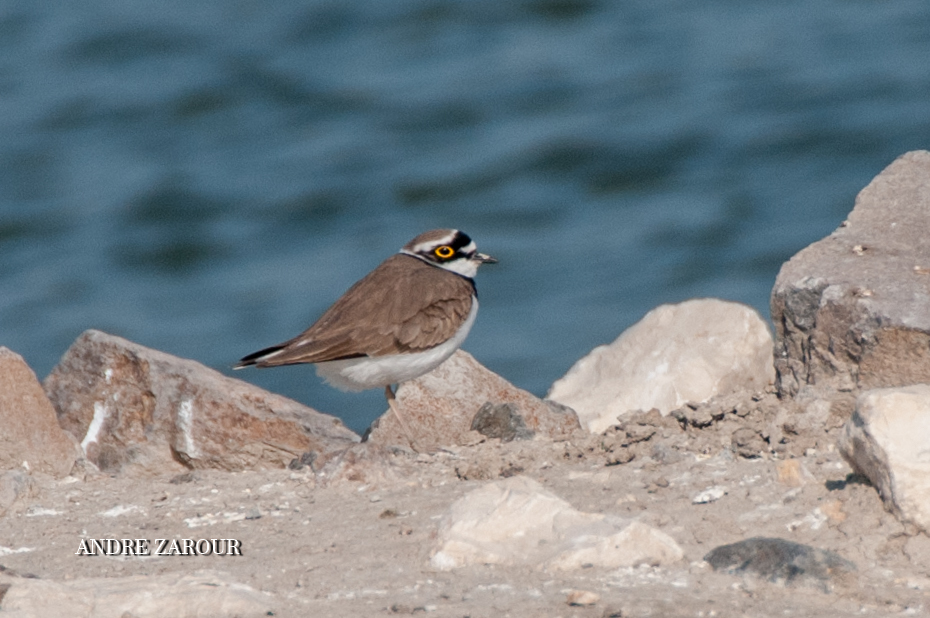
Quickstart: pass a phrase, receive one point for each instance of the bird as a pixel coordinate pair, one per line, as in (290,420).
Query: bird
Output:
(402,320)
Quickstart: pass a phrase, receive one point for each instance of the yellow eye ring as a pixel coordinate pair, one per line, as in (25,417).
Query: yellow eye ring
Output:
(444,252)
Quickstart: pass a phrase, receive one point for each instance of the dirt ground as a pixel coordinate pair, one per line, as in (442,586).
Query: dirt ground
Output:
(358,543)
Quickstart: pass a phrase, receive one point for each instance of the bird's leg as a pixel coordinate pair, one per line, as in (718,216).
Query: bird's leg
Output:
(395,408)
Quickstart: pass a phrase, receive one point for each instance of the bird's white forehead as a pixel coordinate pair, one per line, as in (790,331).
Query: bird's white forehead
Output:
(428,245)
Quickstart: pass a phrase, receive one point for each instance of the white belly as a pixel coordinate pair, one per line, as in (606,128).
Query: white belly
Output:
(356,374)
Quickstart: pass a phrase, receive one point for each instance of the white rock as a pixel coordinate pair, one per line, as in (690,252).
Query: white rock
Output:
(517,522)
(120,509)
(179,595)
(888,440)
(635,544)
(711,494)
(582,598)
(689,352)
(503,523)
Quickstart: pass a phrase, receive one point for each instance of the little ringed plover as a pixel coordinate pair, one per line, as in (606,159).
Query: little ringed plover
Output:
(400,321)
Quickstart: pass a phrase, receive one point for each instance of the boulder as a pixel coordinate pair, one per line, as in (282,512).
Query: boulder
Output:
(677,354)
(852,311)
(886,439)
(440,409)
(517,522)
(134,407)
(31,437)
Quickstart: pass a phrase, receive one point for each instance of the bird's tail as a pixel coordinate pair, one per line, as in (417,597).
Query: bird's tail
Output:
(257,358)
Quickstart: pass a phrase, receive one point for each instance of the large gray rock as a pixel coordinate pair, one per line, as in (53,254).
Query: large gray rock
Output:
(677,354)
(852,311)
(888,440)
(517,522)
(30,436)
(440,409)
(131,406)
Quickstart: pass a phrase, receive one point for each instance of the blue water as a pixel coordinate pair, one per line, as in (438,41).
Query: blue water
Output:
(206,177)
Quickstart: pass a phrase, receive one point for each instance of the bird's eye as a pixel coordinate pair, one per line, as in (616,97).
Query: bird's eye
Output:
(444,252)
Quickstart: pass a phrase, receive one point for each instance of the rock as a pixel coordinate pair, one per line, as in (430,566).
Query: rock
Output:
(501,421)
(689,352)
(31,436)
(792,473)
(15,486)
(582,598)
(886,440)
(852,311)
(440,408)
(833,510)
(136,408)
(746,442)
(180,595)
(711,494)
(368,464)
(517,522)
(778,560)
(917,550)
(635,544)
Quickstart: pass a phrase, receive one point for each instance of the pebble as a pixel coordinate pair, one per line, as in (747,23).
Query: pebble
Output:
(711,494)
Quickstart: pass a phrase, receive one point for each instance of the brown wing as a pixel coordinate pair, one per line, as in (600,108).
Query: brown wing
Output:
(404,305)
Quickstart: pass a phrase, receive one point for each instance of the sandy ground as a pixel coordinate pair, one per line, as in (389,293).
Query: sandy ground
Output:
(362,547)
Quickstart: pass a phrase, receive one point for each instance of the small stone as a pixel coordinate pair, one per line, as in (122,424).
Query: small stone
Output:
(657,484)
(665,454)
(747,443)
(371,465)
(791,473)
(711,494)
(620,456)
(696,416)
(833,509)
(305,460)
(582,598)
(403,608)
(15,486)
(501,421)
